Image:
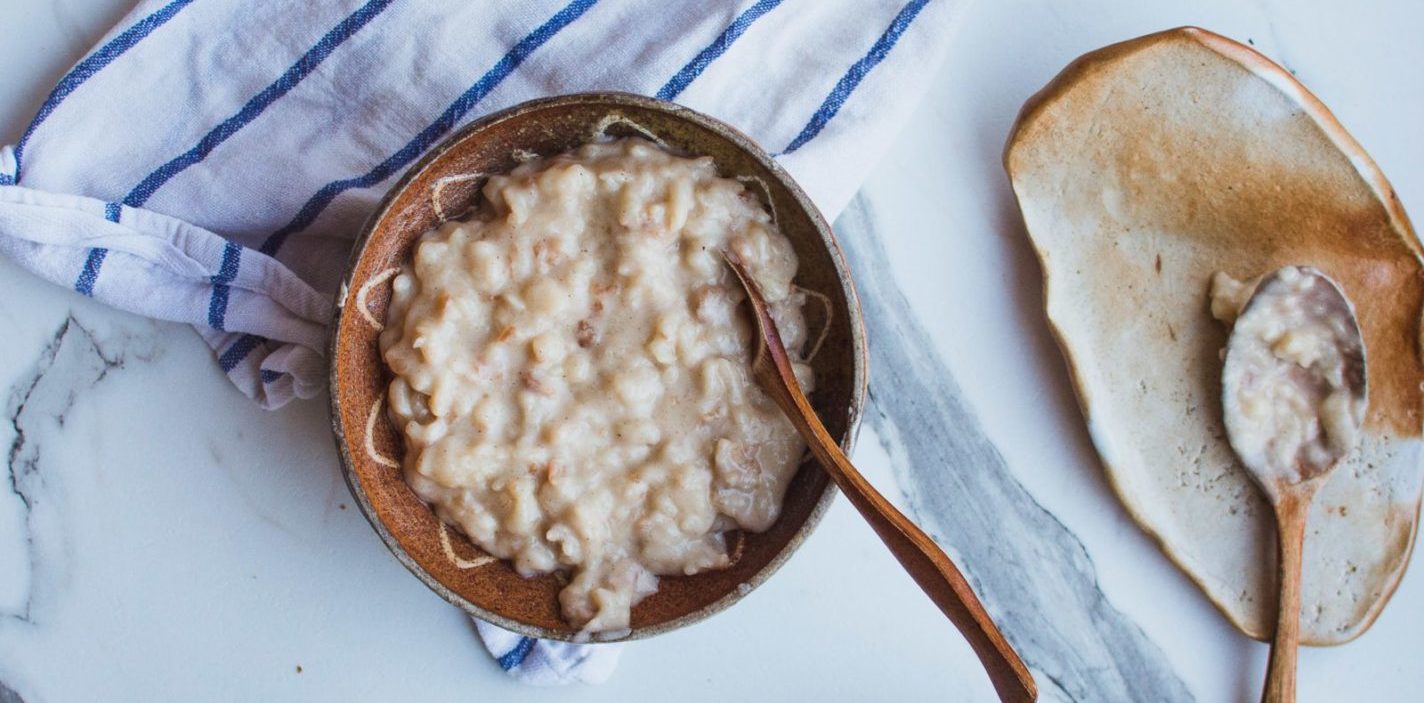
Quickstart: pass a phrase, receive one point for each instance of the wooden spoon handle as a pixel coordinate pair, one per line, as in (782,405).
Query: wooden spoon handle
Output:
(921,557)
(1291,513)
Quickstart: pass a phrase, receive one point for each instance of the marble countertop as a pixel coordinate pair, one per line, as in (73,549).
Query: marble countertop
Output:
(161,538)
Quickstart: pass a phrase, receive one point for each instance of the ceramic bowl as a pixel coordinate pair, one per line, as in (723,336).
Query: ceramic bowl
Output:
(439,187)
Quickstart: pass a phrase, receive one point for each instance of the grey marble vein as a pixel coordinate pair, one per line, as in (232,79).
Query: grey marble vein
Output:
(8,695)
(1032,573)
(73,361)
(1276,49)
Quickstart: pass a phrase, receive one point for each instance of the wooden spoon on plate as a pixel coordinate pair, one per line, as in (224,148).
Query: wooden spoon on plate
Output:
(921,557)
(1295,357)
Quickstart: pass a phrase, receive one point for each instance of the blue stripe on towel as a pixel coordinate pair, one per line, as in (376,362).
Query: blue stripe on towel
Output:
(89,275)
(436,129)
(92,64)
(270,376)
(227,271)
(217,307)
(719,46)
(239,350)
(516,656)
(259,103)
(846,85)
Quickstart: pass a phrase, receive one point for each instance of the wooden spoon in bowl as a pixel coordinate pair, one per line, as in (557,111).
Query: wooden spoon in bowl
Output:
(1293,393)
(920,556)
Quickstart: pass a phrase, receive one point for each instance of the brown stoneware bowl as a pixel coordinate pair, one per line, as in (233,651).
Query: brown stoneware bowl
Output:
(439,187)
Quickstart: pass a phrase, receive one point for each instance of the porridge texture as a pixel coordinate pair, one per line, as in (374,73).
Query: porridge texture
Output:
(1295,412)
(572,372)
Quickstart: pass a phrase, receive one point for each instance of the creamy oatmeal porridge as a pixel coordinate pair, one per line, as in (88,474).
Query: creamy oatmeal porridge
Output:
(572,372)
(1296,411)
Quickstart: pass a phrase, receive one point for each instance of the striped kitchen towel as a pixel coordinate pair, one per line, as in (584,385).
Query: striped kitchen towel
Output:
(210,161)
(547,663)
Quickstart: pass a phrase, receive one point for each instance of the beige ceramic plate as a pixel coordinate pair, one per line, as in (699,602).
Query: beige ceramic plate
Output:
(1142,169)
(446,183)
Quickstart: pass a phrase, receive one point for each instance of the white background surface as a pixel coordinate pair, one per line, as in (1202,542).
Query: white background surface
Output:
(204,552)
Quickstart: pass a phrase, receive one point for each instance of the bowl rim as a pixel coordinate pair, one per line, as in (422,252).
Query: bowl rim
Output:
(613,100)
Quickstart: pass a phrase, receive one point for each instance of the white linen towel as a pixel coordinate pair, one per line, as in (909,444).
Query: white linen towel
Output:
(211,160)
